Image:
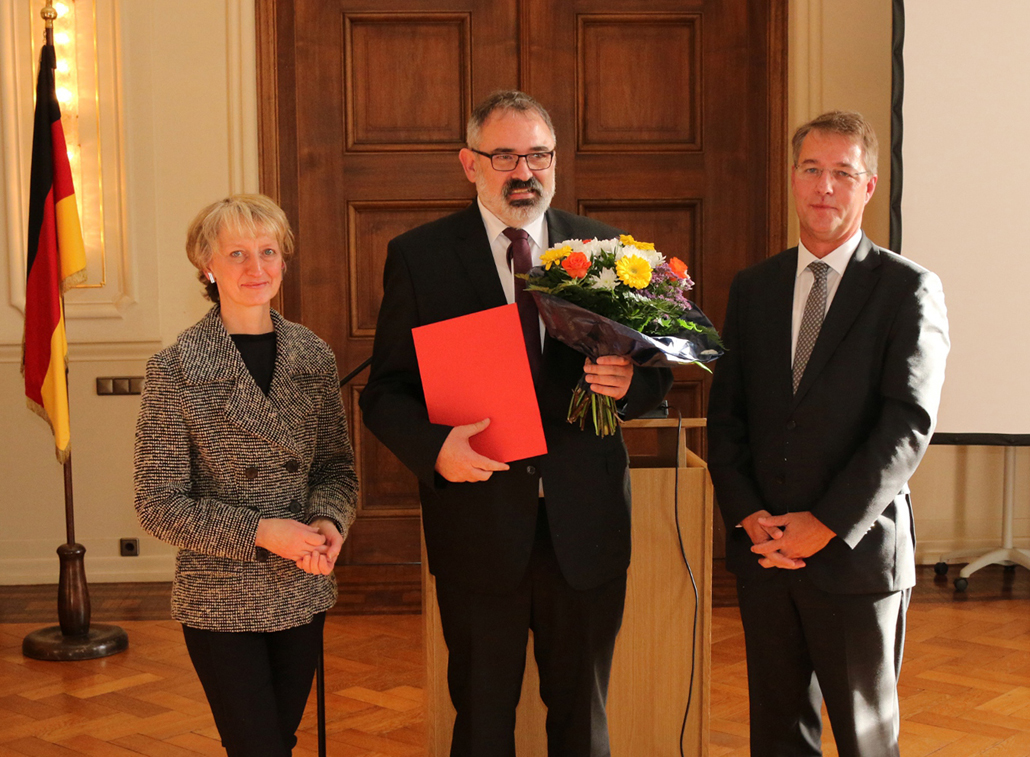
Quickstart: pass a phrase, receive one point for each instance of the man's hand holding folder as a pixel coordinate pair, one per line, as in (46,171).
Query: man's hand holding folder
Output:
(476,378)
(457,460)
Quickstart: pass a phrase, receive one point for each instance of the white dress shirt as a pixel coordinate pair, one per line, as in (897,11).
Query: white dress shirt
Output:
(838,261)
(499,244)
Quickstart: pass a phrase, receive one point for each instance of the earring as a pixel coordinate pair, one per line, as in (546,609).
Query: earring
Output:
(211,277)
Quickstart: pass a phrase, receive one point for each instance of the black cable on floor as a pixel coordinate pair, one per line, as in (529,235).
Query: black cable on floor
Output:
(693,583)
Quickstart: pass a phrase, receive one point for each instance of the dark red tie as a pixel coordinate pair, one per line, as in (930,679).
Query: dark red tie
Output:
(519,253)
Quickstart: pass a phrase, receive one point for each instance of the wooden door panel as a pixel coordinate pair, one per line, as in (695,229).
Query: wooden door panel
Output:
(670,123)
(394,60)
(371,225)
(639,81)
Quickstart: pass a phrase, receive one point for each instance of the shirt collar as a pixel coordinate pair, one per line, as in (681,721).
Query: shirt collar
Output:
(837,260)
(536,228)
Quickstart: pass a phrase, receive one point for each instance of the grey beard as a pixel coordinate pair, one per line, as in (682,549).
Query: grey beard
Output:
(522,212)
(527,211)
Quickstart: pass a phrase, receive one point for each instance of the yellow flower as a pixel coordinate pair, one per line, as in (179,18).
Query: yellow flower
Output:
(629,241)
(553,255)
(634,271)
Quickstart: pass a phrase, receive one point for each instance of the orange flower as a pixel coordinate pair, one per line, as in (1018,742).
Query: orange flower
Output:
(576,265)
(678,267)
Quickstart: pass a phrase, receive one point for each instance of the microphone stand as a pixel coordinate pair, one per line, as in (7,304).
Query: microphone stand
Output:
(320,668)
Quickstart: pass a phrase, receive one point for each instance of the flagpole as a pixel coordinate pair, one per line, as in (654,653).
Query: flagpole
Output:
(49,14)
(74,638)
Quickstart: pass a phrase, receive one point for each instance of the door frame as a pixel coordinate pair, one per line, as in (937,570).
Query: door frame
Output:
(278,148)
(277,135)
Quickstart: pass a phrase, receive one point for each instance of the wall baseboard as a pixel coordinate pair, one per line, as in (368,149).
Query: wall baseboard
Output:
(156,568)
(25,572)
(929,552)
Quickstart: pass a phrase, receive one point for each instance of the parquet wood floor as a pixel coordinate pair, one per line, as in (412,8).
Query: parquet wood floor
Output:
(965,689)
(965,680)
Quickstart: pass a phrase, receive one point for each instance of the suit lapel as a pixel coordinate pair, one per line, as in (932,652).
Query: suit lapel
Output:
(856,285)
(276,417)
(266,417)
(474,253)
(290,393)
(557,229)
(779,314)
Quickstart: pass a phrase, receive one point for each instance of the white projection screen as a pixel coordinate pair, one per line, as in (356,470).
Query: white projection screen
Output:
(962,100)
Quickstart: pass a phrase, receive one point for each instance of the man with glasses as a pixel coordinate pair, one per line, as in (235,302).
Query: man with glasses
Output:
(542,544)
(820,411)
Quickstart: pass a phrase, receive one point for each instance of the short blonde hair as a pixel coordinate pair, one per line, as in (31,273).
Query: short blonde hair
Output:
(243,213)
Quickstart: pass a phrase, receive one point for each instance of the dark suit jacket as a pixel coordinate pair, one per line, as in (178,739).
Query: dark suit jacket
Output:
(480,535)
(846,444)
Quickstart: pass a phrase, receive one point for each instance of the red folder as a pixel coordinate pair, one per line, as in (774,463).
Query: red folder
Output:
(475,367)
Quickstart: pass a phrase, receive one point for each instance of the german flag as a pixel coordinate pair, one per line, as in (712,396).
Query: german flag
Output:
(56,261)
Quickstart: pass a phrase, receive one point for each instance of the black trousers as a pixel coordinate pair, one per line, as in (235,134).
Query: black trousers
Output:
(257,684)
(573,640)
(805,645)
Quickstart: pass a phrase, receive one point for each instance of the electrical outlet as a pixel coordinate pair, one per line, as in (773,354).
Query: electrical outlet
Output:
(119,385)
(128,547)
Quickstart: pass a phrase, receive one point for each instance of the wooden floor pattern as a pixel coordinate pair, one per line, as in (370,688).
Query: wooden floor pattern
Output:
(965,680)
(965,689)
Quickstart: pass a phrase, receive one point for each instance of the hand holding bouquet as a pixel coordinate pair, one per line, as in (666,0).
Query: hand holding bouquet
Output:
(619,297)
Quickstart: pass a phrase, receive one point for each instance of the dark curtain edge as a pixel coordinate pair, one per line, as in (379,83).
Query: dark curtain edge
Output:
(897,120)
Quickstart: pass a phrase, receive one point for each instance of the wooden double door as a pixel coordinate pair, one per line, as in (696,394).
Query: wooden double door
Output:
(669,120)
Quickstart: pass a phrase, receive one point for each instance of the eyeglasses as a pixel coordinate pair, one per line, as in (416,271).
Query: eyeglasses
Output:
(838,176)
(509,161)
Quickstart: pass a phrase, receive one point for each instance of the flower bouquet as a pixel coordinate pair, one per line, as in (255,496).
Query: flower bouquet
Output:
(619,297)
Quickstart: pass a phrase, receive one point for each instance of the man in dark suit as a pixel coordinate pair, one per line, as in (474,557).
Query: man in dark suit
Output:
(506,559)
(820,411)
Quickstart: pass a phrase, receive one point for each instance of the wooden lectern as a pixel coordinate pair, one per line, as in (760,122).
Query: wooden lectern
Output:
(651,671)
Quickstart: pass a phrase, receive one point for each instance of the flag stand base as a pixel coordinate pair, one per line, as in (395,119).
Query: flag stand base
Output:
(51,644)
(75,638)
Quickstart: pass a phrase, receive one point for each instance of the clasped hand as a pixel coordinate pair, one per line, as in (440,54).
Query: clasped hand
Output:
(313,548)
(784,541)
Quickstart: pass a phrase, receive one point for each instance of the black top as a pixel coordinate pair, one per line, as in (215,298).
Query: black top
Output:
(258,352)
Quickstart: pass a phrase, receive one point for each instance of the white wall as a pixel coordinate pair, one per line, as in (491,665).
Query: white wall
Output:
(182,101)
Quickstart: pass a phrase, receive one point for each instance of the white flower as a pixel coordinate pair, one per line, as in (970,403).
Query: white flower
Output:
(607,279)
(592,248)
(577,245)
(653,257)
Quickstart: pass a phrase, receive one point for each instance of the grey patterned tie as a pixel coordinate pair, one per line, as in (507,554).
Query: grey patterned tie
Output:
(812,320)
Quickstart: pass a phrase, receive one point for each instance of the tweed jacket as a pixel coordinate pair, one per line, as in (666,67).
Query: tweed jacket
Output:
(214,455)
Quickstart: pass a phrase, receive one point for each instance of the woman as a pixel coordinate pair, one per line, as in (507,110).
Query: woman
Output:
(243,462)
